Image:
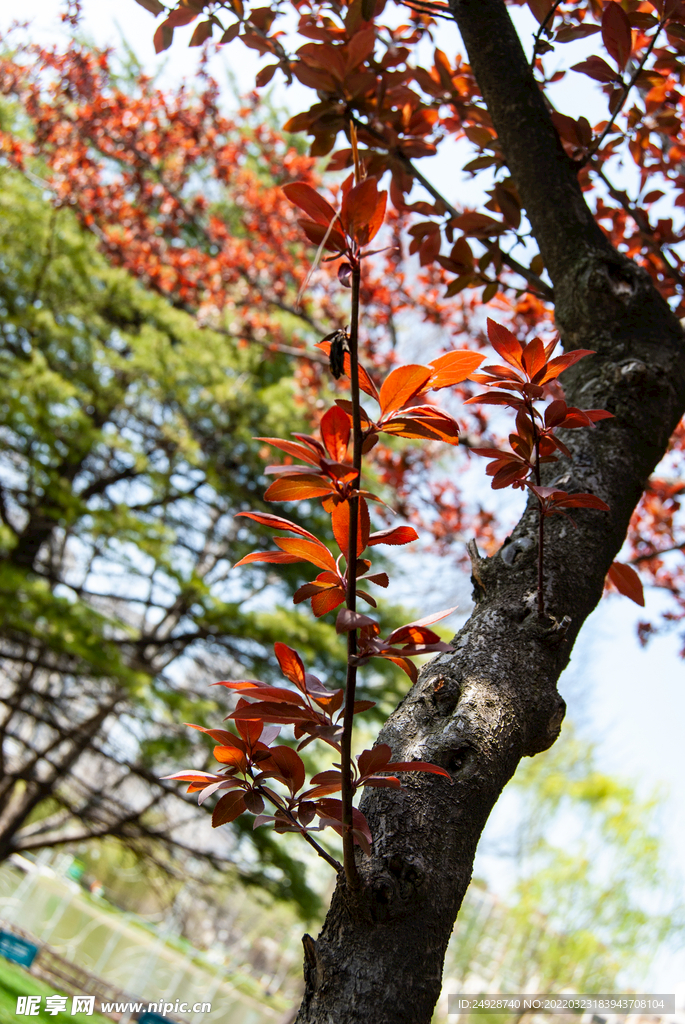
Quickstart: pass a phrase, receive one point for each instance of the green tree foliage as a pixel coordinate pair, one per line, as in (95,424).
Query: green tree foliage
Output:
(126,449)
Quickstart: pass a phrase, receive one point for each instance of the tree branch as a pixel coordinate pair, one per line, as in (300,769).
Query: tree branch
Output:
(544,174)
(627,86)
(642,221)
(539,287)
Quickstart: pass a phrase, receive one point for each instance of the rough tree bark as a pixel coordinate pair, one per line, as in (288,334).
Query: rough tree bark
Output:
(478,711)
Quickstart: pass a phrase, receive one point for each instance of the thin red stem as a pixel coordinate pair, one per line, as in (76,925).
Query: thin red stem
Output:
(351,872)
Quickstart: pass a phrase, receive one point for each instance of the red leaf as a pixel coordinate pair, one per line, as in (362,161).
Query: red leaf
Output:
(348,620)
(273,711)
(163,37)
(417,766)
(300,451)
(340,520)
(453,368)
(290,765)
(363,210)
(616,33)
(597,68)
(184,14)
(496,398)
(317,234)
(228,809)
(265,75)
(220,735)
(360,47)
(505,344)
(332,809)
(424,422)
(362,705)
(540,9)
(560,363)
(298,490)
(583,501)
(202,32)
(533,357)
(401,385)
(427,621)
(327,600)
(394,535)
(309,200)
(273,694)
(381,579)
(232,756)
(404,663)
(335,433)
(627,582)
(371,761)
(250,729)
(326,777)
(291,665)
(383,781)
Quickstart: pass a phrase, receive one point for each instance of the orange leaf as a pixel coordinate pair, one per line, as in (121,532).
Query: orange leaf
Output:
(291,665)
(533,357)
(627,582)
(275,522)
(232,756)
(505,344)
(401,385)
(335,433)
(327,600)
(365,382)
(340,520)
(453,368)
(298,490)
(310,550)
(268,556)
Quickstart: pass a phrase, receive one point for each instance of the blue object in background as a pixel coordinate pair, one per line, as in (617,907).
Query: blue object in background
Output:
(153,1018)
(19,951)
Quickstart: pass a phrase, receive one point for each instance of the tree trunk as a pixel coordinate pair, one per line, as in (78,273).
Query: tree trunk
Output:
(478,711)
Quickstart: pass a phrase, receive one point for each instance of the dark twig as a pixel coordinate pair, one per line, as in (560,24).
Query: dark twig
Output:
(642,221)
(627,86)
(549,18)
